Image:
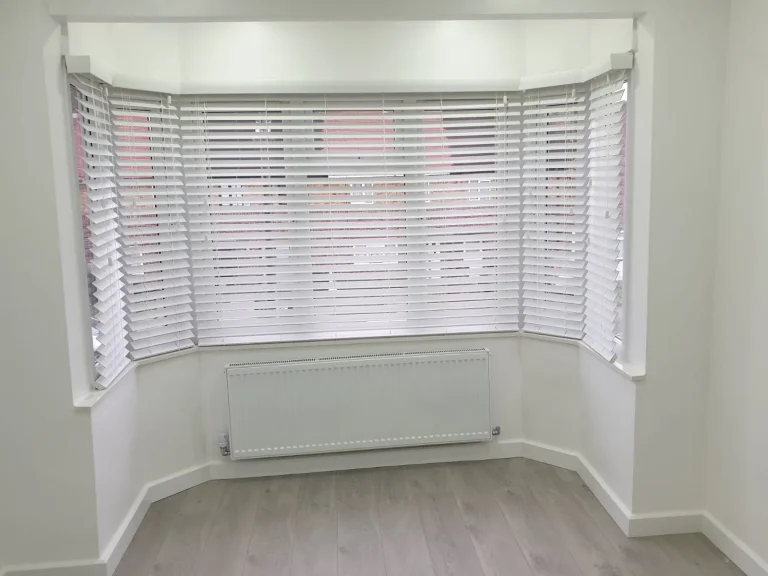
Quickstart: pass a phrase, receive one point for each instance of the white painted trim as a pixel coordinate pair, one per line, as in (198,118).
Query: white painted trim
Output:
(150,493)
(72,568)
(633,374)
(83,64)
(550,455)
(662,523)
(614,505)
(576,462)
(113,553)
(733,547)
(688,521)
(338,10)
(89,400)
(616,61)
(633,525)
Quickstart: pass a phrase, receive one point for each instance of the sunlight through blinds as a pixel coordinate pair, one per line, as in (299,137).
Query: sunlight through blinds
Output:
(153,223)
(96,177)
(343,216)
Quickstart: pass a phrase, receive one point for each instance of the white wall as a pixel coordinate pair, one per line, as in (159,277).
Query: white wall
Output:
(147,428)
(689,47)
(737,450)
(551,46)
(350,56)
(551,395)
(574,401)
(254,56)
(606,400)
(47,505)
(610,33)
(146,55)
(677,125)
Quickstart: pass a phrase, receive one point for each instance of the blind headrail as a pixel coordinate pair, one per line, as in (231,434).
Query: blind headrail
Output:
(85,65)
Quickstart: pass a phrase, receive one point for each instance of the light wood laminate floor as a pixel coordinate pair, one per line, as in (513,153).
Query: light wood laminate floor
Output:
(515,517)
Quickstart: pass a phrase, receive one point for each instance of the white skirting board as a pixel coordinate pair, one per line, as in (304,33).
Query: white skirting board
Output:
(151,492)
(733,547)
(106,565)
(631,524)
(72,568)
(671,522)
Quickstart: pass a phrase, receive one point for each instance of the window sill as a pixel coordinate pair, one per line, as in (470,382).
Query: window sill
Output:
(92,398)
(634,373)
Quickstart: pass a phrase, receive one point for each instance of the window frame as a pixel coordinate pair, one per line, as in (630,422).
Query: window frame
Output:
(520,289)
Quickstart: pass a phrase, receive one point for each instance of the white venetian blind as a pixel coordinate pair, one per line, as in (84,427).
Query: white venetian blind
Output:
(554,210)
(607,134)
(327,217)
(244,219)
(100,226)
(153,223)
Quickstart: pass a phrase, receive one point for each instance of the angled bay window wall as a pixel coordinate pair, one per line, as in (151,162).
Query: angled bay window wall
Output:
(337,217)
(214,220)
(153,223)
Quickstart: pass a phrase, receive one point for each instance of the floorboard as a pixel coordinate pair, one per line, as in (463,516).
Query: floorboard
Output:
(402,535)
(182,549)
(225,551)
(141,554)
(271,546)
(588,546)
(360,549)
(315,542)
(493,538)
(496,518)
(543,546)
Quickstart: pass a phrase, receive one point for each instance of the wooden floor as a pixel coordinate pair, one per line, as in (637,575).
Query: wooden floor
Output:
(515,517)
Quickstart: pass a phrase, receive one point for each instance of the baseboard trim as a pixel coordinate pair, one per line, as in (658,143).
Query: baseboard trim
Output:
(72,568)
(674,522)
(733,547)
(576,462)
(664,523)
(614,505)
(152,492)
(113,553)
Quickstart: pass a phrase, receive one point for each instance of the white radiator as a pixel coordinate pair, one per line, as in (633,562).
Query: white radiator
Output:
(358,403)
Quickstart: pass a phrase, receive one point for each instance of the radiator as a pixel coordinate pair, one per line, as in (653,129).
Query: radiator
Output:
(322,405)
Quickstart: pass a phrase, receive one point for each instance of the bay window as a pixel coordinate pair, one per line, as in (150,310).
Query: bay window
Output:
(262,218)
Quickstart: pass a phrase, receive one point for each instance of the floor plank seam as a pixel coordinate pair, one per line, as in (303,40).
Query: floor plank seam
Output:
(501,517)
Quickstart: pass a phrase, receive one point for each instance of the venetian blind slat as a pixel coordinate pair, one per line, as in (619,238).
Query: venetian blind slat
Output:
(153,222)
(96,177)
(329,216)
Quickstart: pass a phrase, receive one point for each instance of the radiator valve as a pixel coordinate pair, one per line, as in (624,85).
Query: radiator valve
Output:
(224,444)
(496,431)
